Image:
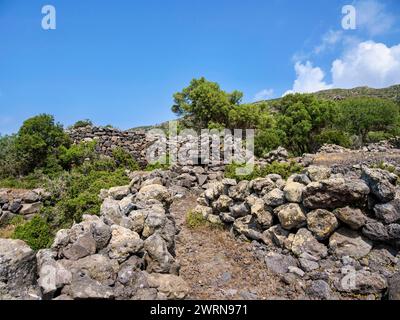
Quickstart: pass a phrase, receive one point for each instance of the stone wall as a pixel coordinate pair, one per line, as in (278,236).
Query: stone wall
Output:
(15,202)
(127,252)
(134,142)
(333,236)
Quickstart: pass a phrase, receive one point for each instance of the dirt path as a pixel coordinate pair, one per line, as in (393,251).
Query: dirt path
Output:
(216,266)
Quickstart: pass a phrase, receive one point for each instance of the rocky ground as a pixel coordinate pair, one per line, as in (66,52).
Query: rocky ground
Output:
(217,266)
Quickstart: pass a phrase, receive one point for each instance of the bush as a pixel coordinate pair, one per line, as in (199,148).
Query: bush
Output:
(33,180)
(77,154)
(124,159)
(9,160)
(76,193)
(376,136)
(38,139)
(36,233)
(196,220)
(337,137)
(266,141)
(360,116)
(162,164)
(82,124)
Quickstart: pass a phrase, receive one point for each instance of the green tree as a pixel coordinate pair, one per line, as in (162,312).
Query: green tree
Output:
(302,117)
(204,102)
(38,141)
(362,115)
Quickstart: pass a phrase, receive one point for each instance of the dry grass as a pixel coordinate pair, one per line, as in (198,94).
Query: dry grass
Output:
(7,231)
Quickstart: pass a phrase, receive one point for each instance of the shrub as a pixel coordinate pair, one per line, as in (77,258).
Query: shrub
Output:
(77,192)
(37,139)
(82,123)
(196,220)
(376,136)
(334,137)
(267,140)
(284,169)
(360,116)
(162,164)
(9,161)
(77,154)
(36,233)
(124,159)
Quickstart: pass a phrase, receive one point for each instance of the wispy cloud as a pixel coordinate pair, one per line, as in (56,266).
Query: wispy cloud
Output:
(264,95)
(329,40)
(373,17)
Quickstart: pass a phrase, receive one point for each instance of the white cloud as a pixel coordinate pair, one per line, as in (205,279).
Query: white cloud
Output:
(309,79)
(372,16)
(366,64)
(264,95)
(371,64)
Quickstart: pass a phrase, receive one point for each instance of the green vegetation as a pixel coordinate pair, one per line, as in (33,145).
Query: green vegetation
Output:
(301,123)
(196,220)
(82,124)
(161,164)
(284,169)
(36,233)
(41,155)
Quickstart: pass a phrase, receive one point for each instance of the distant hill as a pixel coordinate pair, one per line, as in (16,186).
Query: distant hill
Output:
(391,93)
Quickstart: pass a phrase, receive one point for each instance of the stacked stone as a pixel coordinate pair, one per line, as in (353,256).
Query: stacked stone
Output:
(25,203)
(317,228)
(134,142)
(127,252)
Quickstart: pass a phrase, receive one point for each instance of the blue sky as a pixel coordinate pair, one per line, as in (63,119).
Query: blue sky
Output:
(119,62)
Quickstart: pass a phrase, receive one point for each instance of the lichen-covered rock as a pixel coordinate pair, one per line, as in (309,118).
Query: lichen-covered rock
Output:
(388,212)
(155,220)
(394,287)
(375,231)
(318,173)
(239,210)
(291,216)
(118,193)
(277,234)
(364,282)
(85,245)
(222,204)
(154,192)
(346,242)
(335,193)
(262,185)
(159,259)
(52,275)
(274,198)
(249,227)
(354,218)
(294,192)
(17,264)
(111,211)
(381,182)
(321,223)
(171,286)
(260,212)
(304,242)
(123,243)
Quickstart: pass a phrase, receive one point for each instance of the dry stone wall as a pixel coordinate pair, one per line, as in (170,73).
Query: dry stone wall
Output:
(334,236)
(25,203)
